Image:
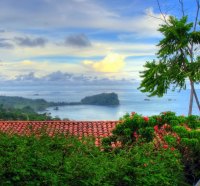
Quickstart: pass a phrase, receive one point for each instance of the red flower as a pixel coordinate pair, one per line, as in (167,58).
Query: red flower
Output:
(135,134)
(172,148)
(156,128)
(146,118)
(165,146)
(166,126)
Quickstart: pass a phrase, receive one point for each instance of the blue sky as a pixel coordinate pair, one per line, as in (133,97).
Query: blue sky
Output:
(97,38)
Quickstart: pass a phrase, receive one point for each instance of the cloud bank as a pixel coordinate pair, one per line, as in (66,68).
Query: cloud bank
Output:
(63,78)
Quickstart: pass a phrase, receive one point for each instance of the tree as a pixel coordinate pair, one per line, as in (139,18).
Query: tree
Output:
(177,61)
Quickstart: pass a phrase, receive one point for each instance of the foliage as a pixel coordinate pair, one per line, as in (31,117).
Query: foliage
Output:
(157,150)
(156,167)
(26,114)
(20,103)
(174,65)
(60,161)
(168,133)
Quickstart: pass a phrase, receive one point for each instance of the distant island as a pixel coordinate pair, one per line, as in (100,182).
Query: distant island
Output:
(108,99)
(104,99)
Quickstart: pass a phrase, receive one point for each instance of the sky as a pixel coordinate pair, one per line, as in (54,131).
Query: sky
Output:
(83,40)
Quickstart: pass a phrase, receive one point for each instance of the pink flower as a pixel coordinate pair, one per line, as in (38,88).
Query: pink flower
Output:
(118,144)
(135,134)
(113,145)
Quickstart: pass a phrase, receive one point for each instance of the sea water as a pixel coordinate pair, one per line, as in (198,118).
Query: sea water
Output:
(131,100)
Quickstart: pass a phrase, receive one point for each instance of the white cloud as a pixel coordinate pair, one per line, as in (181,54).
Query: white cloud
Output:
(75,14)
(111,63)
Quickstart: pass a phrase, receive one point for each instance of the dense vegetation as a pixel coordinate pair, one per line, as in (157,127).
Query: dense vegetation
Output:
(156,150)
(25,114)
(110,99)
(20,103)
(59,161)
(168,147)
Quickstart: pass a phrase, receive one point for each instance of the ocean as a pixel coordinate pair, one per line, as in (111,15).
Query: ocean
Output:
(131,100)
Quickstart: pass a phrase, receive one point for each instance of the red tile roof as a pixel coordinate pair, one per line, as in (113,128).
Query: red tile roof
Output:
(98,129)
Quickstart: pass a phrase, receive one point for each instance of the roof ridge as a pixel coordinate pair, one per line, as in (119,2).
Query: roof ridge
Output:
(58,121)
(97,129)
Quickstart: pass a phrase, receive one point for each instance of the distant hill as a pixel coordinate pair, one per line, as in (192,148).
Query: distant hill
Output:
(20,102)
(25,114)
(106,99)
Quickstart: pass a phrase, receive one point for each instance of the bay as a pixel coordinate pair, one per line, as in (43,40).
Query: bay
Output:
(131,100)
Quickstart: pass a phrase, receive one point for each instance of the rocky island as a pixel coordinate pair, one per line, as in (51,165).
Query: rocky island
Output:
(106,99)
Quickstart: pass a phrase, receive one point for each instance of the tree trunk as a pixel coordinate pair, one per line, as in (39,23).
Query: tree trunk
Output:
(193,93)
(196,97)
(191,100)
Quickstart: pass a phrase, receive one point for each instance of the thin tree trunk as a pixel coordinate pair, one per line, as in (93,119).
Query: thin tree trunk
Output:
(196,97)
(191,100)
(193,94)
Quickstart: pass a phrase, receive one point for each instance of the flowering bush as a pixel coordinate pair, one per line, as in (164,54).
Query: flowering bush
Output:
(167,132)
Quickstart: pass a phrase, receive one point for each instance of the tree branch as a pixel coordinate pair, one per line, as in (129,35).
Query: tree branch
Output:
(182,7)
(197,14)
(161,12)
(156,17)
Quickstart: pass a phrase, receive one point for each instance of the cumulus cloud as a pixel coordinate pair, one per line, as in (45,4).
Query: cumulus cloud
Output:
(111,63)
(30,42)
(78,40)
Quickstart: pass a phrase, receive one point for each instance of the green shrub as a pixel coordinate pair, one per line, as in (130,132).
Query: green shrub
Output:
(59,161)
(193,121)
(156,167)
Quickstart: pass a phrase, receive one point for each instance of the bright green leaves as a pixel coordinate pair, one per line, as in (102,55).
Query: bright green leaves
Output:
(194,70)
(176,56)
(176,36)
(155,79)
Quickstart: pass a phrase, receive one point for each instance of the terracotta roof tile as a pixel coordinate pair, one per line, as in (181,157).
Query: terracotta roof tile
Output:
(98,129)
